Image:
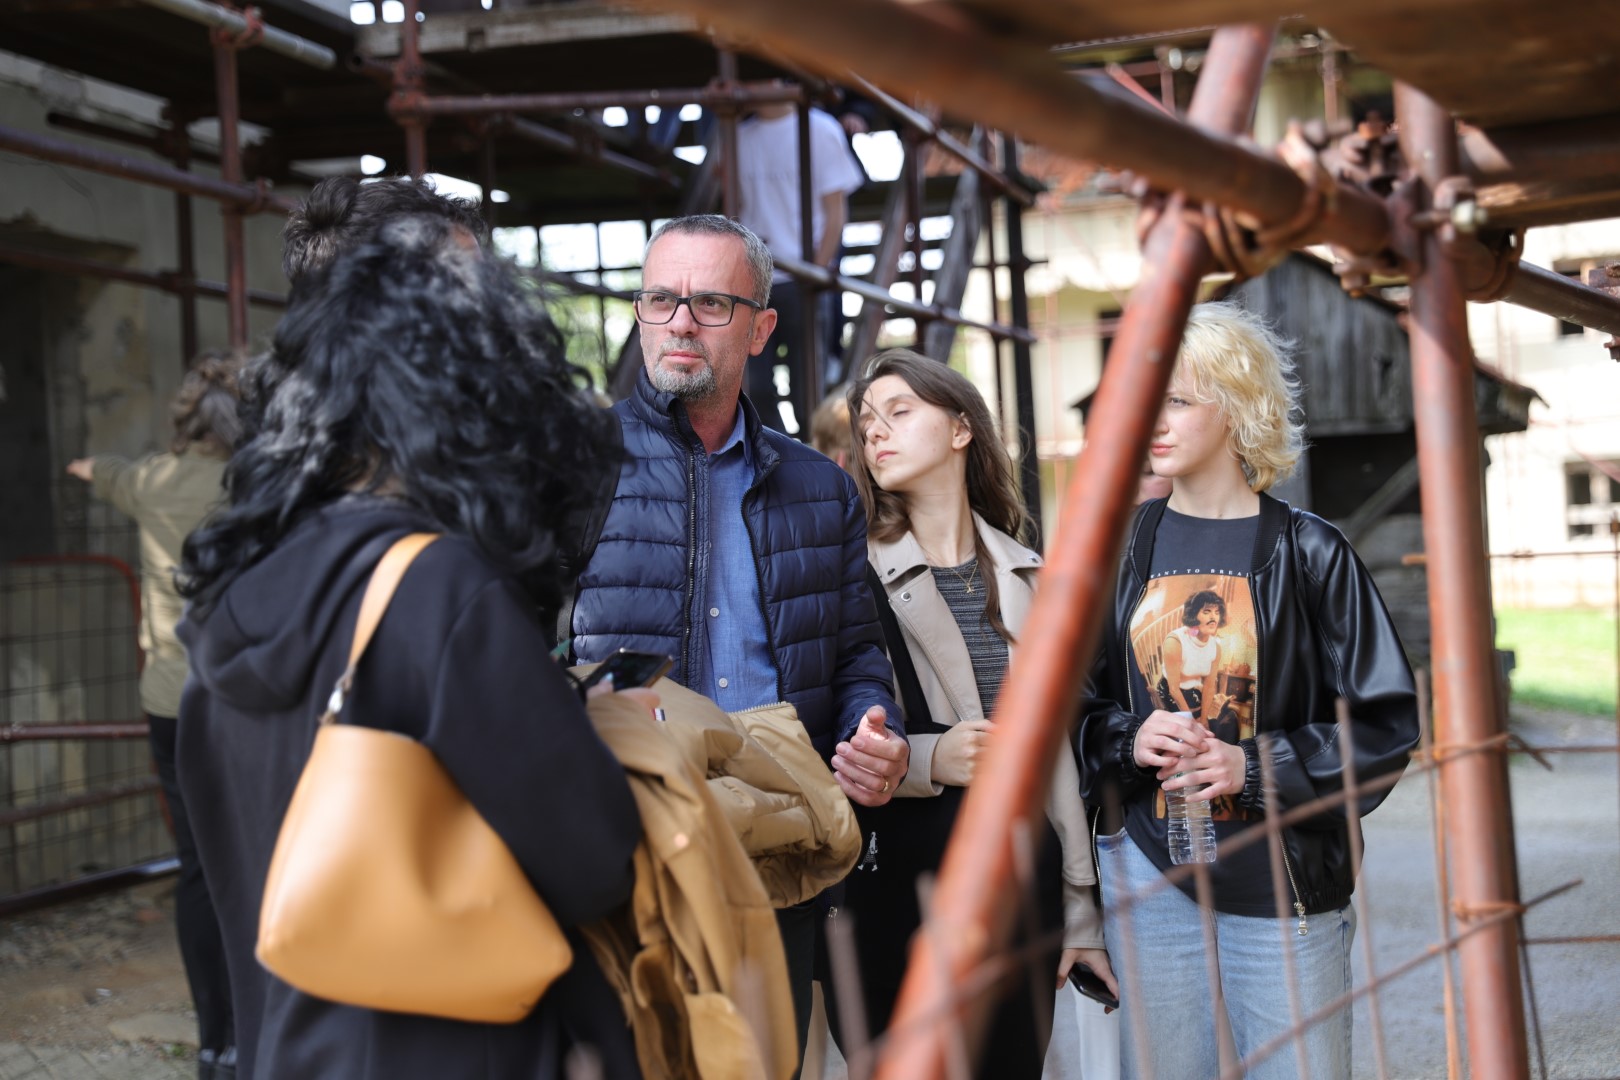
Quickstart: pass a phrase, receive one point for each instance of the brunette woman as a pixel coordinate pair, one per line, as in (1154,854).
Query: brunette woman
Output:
(945,519)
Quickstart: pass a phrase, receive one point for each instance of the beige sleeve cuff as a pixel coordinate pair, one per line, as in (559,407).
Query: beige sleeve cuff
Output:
(1082,921)
(919,781)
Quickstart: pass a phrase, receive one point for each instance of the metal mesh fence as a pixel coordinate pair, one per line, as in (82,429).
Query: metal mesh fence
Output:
(76,781)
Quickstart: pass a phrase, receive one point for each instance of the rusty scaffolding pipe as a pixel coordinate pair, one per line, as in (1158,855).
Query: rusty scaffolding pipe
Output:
(1465,682)
(730,181)
(58,732)
(236,23)
(570,144)
(228,104)
(1565,150)
(185,245)
(826,279)
(16,815)
(105,881)
(928,129)
(250,198)
(1022,89)
(972,905)
(408,82)
(169,281)
(170,143)
(1554,294)
(735,96)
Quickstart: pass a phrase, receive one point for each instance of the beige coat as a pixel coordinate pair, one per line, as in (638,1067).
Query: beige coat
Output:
(946,673)
(698,943)
(168,495)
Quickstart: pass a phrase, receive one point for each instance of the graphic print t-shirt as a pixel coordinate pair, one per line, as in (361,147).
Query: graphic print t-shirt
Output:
(1194,649)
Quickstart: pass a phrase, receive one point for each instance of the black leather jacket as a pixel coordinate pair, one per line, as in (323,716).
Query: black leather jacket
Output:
(1323,634)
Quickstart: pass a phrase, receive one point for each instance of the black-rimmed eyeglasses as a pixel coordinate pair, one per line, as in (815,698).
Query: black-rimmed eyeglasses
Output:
(707,308)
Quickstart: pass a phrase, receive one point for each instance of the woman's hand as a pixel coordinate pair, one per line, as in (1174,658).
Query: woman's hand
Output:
(1166,739)
(1096,960)
(84,468)
(1221,768)
(957,754)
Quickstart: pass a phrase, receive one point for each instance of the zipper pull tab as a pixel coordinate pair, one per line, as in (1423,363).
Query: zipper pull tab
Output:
(869,858)
(1304,928)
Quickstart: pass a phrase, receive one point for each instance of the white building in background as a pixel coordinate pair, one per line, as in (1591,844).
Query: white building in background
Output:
(1555,487)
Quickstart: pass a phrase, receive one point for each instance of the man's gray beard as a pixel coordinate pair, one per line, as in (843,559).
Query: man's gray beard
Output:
(686,385)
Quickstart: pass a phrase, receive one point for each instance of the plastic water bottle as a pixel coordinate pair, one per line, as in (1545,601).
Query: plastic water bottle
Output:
(1191,828)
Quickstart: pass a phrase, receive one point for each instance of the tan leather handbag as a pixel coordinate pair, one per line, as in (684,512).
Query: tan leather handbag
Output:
(387,890)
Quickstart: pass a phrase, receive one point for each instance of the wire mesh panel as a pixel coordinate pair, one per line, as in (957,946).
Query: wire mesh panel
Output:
(76,781)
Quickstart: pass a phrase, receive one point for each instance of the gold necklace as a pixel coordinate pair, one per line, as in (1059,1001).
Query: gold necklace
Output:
(967,582)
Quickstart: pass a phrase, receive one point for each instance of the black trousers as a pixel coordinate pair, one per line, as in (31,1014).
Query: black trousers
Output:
(799,926)
(202,950)
(884,914)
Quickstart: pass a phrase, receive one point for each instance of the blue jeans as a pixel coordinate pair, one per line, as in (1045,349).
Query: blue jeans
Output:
(1171,1023)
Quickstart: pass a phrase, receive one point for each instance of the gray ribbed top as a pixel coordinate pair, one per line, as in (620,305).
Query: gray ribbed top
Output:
(986,648)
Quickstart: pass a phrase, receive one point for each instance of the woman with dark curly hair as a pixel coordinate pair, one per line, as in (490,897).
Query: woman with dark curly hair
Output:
(414,386)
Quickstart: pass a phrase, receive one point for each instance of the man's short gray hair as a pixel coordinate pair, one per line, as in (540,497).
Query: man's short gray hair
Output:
(760,264)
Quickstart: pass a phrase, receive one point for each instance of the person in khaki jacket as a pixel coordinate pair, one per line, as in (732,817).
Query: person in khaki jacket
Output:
(944,510)
(168,495)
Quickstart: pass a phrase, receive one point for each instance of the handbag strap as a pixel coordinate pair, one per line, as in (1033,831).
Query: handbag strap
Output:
(380,589)
(919,720)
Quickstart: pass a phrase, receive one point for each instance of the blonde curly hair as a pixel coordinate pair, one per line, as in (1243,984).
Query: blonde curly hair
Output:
(1237,363)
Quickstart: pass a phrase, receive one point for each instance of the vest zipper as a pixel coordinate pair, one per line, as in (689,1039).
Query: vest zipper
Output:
(760,708)
(691,560)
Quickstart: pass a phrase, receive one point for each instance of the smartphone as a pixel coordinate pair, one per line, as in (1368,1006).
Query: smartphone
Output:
(629,668)
(1091,985)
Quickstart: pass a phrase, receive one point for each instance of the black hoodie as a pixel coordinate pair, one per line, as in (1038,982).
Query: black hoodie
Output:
(459,662)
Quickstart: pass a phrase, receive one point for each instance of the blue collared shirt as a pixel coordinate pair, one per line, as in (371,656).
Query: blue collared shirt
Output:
(740,672)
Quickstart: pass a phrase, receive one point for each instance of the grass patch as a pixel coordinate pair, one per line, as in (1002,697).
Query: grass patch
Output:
(1566,658)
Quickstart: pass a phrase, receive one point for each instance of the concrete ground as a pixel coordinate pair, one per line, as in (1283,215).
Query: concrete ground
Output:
(1567,827)
(94,991)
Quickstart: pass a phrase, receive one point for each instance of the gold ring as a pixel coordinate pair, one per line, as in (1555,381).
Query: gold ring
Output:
(884,790)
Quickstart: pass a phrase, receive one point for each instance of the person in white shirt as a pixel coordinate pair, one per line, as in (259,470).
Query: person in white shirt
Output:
(768,204)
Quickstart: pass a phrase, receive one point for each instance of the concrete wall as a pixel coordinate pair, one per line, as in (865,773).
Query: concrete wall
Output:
(122,341)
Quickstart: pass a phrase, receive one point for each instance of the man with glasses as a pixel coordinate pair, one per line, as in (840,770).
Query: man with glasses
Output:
(732,548)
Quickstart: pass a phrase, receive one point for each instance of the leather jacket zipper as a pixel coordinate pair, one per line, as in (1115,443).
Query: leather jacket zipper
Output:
(1303,926)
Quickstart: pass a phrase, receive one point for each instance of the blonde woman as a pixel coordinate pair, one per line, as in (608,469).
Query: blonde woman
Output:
(1223,552)
(944,515)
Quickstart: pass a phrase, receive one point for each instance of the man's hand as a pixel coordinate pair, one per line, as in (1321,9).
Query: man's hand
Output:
(873,762)
(84,468)
(957,754)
